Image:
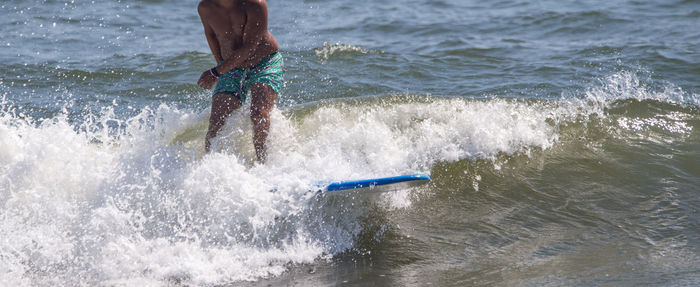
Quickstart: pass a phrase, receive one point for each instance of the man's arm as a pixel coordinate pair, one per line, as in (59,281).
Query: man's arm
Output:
(255,30)
(209,32)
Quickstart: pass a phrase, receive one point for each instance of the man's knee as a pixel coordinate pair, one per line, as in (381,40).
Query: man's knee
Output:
(222,106)
(216,118)
(259,114)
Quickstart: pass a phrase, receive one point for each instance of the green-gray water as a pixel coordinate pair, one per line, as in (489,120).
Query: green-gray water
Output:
(562,139)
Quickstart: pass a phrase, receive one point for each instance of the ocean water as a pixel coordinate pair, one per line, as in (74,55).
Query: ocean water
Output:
(562,139)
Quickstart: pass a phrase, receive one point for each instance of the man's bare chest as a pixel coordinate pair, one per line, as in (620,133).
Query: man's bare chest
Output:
(228,23)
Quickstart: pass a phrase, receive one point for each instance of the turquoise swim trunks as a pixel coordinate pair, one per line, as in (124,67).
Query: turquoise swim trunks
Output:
(237,82)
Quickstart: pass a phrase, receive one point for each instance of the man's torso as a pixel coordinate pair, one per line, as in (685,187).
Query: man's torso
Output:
(228,22)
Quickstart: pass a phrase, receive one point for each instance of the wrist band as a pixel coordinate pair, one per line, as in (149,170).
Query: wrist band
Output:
(214,72)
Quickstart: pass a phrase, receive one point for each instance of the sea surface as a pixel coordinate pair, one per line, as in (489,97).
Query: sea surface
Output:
(563,139)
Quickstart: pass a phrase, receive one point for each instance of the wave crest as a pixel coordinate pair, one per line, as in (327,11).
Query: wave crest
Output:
(329,50)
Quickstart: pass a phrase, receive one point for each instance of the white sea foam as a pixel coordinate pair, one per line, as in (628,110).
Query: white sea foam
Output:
(124,206)
(328,50)
(627,85)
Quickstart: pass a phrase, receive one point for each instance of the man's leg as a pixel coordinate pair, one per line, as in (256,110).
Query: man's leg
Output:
(222,105)
(262,101)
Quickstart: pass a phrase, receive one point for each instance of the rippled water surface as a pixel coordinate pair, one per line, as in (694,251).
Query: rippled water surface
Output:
(562,139)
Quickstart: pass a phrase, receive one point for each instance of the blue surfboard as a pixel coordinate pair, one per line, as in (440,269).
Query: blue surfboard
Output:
(375,184)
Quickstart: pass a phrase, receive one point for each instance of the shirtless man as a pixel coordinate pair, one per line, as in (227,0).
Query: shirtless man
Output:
(247,59)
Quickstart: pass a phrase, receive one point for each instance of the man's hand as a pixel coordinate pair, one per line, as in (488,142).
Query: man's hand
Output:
(206,80)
